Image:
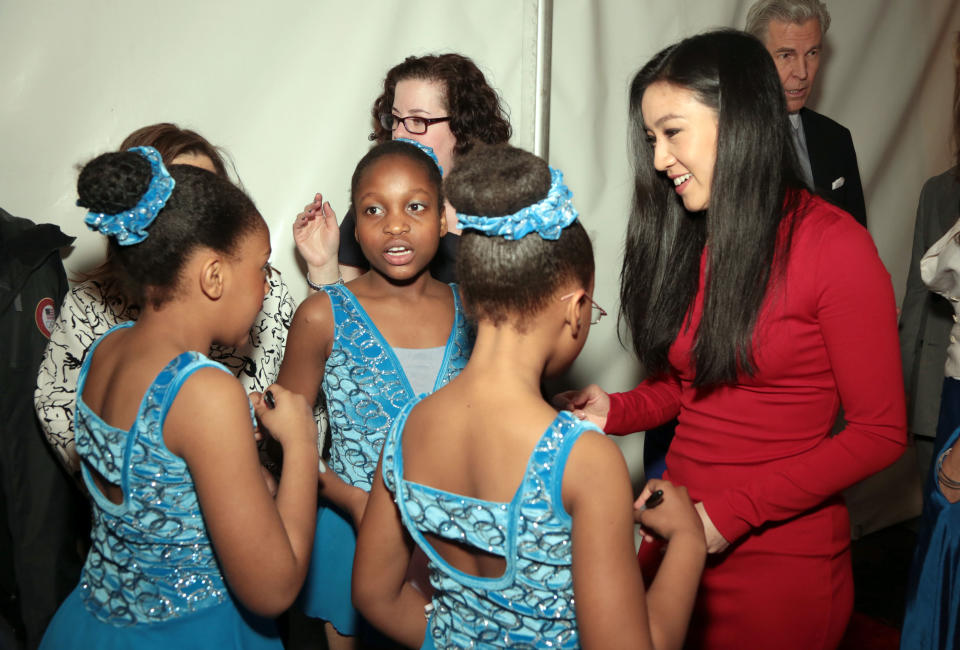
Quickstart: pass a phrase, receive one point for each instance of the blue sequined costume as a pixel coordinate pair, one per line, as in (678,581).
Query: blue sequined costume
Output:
(531,604)
(151,579)
(365,387)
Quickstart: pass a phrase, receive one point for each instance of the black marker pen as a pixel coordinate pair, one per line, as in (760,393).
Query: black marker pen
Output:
(655,499)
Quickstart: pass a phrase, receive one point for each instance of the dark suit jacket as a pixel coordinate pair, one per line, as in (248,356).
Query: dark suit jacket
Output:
(834,162)
(925,317)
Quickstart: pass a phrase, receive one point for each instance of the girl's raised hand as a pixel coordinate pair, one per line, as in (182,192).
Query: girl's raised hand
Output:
(673,515)
(317,237)
(289,418)
(590,403)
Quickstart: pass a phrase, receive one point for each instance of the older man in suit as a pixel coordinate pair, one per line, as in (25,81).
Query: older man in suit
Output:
(792,31)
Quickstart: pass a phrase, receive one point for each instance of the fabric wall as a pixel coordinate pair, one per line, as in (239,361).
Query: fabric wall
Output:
(285,87)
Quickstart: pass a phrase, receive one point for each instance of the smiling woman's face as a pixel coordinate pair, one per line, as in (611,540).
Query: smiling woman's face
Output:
(683,135)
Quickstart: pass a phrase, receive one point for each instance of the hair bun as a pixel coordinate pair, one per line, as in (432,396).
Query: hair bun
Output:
(497,180)
(113,182)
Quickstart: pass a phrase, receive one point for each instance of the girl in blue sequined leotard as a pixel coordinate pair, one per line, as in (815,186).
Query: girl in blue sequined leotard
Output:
(524,513)
(189,548)
(372,345)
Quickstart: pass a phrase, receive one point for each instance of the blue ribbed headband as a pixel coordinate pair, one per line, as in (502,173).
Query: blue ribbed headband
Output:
(130,226)
(547,217)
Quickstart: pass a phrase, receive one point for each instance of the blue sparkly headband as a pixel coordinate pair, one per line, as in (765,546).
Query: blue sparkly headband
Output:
(425,149)
(130,226)
(547,217)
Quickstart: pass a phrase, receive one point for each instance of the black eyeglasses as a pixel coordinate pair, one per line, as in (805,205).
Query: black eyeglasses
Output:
(414,125)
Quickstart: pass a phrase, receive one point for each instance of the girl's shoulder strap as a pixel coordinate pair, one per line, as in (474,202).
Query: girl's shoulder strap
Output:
(466,328)
(101,444)
(567,429)
(392,466)
(342,301)
(85,366)
(337,292)
(168,383)
(457,302)
(553,450)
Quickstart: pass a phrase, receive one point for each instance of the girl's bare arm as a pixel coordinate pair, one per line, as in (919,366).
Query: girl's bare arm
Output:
(612,609)
(608,587)
(379,568)
(262,544)
(308,344)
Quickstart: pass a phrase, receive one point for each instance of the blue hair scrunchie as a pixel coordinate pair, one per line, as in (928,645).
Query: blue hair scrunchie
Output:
(425,149)
(547,218)
(130,226)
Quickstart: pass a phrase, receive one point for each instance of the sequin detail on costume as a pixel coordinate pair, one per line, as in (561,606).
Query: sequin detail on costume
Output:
(150,559)
(129,227)
(365,386)
(531,605)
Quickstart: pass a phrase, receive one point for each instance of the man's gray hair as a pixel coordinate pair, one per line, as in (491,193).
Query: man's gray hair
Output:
(785,11)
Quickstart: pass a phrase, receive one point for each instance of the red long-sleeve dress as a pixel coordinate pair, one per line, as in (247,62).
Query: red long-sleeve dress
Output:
(759,454)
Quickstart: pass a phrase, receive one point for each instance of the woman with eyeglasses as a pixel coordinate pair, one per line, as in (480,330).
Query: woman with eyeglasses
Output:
(443,101)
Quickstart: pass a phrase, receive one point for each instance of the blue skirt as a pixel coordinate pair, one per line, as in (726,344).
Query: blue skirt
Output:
(428,637)
(326,593)
(932,618)
(221,626)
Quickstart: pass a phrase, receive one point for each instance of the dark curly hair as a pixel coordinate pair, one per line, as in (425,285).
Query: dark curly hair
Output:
(203,210)
(500,279)
(476,114)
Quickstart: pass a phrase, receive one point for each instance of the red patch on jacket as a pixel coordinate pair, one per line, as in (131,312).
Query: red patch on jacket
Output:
(45,315)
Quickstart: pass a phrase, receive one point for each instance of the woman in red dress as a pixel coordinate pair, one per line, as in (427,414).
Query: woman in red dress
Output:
(757,310)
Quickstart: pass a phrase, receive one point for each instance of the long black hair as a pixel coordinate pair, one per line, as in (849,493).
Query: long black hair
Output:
(755,169)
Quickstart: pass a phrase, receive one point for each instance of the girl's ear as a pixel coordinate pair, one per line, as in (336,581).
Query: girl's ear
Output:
(573,312)
(443,219)
(212,278)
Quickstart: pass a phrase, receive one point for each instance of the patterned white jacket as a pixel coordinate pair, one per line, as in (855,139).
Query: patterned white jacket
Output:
(88,311)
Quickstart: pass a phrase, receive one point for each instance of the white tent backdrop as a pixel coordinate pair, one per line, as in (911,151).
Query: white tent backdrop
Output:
(286,88)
